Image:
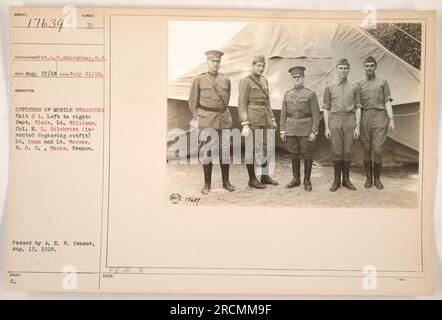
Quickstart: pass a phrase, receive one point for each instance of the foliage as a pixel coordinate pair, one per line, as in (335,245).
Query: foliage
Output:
(403,39)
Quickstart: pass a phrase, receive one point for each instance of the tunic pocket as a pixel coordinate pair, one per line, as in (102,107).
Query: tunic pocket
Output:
(222,90)
(223,86)
(226,119)
(290,126)
(201,113)
(304,104)
(255,93)
(206,91)
(256,114)
(303,126)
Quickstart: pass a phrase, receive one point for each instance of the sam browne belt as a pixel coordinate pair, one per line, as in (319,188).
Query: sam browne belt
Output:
(258,103)
(219,109)
(299,115)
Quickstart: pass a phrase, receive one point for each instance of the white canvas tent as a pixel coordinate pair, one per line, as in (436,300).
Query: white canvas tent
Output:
(317,47)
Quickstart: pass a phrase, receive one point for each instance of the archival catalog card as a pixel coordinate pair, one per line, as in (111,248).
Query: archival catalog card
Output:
(221,151)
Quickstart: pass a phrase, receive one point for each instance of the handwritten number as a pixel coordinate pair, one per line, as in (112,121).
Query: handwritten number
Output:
(192,200)
(43,23)
(60,24)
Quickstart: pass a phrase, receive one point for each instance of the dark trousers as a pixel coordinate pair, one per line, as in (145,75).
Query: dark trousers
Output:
(258,145)
(215,148)
(300,148)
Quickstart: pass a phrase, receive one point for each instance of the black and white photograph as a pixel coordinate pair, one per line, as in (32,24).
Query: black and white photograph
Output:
(225,151)
(299,114)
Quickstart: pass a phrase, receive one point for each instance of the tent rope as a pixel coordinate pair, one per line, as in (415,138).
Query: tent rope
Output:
(407,114)
(392,24)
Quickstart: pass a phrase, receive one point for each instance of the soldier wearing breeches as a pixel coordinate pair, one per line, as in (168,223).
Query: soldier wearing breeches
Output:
(342,114)
(208,101)
(255,113)
(299,124)
(376,119)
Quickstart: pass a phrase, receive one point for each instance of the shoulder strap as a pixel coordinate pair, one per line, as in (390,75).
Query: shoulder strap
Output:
(260,86)
(214,89)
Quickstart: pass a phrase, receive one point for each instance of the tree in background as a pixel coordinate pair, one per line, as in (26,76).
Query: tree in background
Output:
(403,39)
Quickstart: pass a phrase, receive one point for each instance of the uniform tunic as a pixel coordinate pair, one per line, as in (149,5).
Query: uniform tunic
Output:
(255,110)
(253,104)
(212,92)
(202,94)
(300,116)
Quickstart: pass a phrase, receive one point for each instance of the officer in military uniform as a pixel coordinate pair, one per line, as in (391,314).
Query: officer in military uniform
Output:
(342,114)
(255,112)
(208,101)
(300,118)
(376,119)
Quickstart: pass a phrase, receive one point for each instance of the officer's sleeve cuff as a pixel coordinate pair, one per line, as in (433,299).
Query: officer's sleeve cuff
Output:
(273,119)
(244,123)
(282,132)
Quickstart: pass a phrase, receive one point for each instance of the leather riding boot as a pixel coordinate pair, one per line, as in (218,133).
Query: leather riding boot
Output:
(308,164)
(369,173)
(207,178)
(337,166)
(253,182)
(225,177)
(377,175)
(346,176)
(265,178)
(296,169)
